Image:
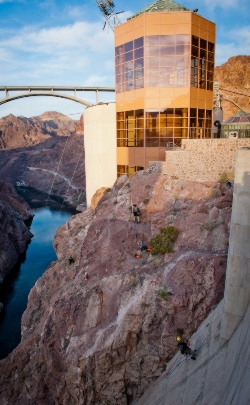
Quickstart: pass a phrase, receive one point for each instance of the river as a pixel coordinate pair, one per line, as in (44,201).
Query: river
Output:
(40,253)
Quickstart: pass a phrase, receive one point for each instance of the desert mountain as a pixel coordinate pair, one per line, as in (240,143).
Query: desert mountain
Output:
(51,157)
(105,339)
(234,79)
(19,132)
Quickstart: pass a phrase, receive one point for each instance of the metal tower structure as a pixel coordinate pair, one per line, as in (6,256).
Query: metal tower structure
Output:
(107,8)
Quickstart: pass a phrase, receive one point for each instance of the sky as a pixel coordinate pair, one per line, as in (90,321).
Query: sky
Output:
(59,42)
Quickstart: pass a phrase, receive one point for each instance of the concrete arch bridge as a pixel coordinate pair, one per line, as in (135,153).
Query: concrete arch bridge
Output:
(53,91)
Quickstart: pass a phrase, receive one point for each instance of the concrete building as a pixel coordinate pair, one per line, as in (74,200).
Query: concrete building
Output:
(164,57)
(237,126)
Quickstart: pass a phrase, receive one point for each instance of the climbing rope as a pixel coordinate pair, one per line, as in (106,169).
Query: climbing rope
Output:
(56,172)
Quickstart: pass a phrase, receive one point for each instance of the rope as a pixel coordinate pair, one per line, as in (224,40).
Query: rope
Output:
(56,172)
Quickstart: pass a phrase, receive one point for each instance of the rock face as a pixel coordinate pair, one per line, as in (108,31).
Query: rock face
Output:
(234,78)
(19,132)
(14,234)
(105,339)
(54,165)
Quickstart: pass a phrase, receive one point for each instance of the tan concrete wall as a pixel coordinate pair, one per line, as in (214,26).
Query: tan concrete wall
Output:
(237,289)
(100,147)
(203,159)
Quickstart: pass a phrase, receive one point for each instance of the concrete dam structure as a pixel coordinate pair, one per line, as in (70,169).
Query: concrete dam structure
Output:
(221,373)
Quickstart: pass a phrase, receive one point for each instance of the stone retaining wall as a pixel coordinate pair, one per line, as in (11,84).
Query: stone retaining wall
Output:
(202,159)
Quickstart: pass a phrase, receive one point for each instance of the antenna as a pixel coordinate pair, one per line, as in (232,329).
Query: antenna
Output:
(107,8)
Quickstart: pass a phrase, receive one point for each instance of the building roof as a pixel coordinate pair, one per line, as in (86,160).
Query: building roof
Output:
(241,117)
(160,6)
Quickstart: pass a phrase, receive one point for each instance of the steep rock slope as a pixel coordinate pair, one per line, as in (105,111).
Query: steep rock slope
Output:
(105,339)
(234,78)
(19,132)
(55,165)
(14,234)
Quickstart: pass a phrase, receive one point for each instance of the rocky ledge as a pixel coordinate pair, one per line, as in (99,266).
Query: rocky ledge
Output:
(14,234)
(103,339)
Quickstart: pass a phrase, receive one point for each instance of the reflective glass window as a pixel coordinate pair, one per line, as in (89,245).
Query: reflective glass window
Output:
(138,63)
(167,61)
(203,43)
(152,51)
(128,46)
(138,74)
(119,50)
(182,50)
(182,39)
(152,40)
(129,66)
(167,39)
(195,41)
(128,56)
(210,47)
(138,43)
(195,51)
(152,62)
(167,50)
(138,53)
(210,56)
(203,53)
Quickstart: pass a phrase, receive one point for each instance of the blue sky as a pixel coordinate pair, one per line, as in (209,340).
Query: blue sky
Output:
(59,42)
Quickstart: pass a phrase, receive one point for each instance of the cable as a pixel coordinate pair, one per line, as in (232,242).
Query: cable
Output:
(56,171)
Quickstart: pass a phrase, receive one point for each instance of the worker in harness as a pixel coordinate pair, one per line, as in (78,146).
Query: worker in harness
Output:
(70,259)
(185,349)
(136,213)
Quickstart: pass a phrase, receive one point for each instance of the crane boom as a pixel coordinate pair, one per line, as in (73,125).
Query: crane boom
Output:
(107,8)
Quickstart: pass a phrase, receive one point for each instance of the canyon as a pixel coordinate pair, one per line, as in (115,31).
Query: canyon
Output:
(105,339)
(45,153)
(14,233)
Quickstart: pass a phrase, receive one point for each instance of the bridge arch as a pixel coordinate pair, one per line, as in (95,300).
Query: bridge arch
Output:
(52,91)
(52,94)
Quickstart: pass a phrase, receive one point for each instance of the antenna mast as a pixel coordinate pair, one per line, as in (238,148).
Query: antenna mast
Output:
(107,8)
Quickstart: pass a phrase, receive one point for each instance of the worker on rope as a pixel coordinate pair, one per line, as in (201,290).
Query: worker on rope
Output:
(136,213)
(185,349)
(71,259)
(144,247)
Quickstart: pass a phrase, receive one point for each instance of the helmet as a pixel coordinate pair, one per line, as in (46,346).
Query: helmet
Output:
(178,338)
(134,205)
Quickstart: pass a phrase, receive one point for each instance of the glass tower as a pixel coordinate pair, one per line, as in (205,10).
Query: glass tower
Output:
(164,67)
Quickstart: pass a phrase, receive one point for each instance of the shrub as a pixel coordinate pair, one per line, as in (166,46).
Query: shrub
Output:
(108,190)
(146,201)
(226,176)
(164,294)
(210,224)
(215,192)
(147,187)
(163,242)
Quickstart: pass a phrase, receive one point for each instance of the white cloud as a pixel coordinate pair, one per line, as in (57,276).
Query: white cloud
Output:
(80,49)
(239,45)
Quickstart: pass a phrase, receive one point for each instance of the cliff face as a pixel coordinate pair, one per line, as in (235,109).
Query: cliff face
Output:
(14,234)
(105,339)
(234,78)
(54,165)
(19,132)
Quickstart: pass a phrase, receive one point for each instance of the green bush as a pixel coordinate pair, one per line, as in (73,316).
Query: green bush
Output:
(164,294)
(146,201)
(163,242)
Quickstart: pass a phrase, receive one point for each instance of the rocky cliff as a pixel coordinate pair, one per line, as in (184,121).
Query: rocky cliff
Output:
(54,164)
(19,132)
(234,78)
(103,340)
(14,234)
